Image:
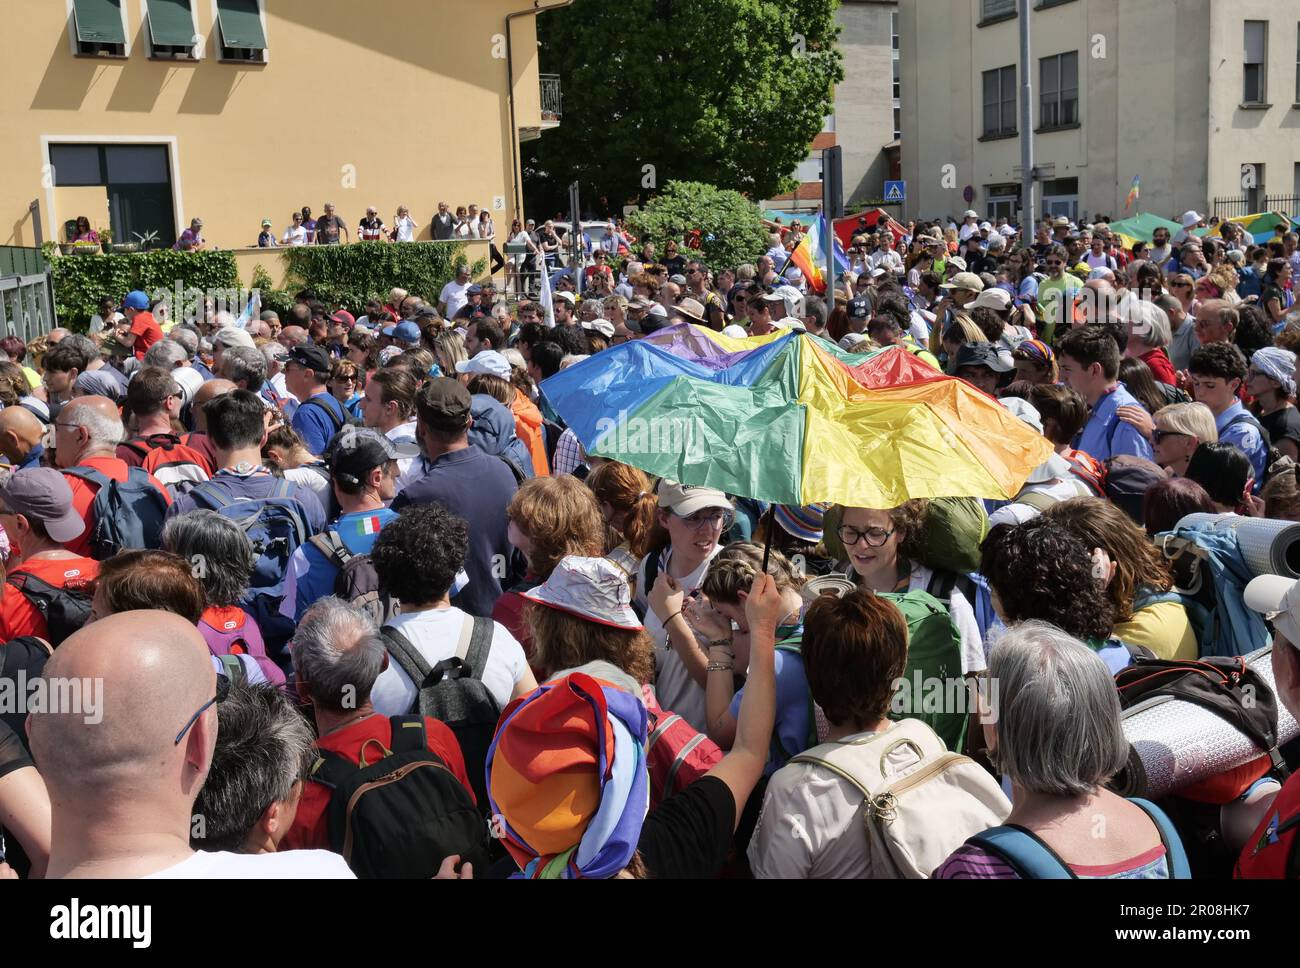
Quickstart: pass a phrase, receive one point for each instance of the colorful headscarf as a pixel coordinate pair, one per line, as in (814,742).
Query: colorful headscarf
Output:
(1038,351)
(567,777)
(804,523)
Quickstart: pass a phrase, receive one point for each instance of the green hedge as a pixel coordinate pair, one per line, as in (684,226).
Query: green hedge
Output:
(348,275)
(81,281)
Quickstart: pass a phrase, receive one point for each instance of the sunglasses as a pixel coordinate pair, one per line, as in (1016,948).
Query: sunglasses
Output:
(223,690)
(709,518)
(1158,435)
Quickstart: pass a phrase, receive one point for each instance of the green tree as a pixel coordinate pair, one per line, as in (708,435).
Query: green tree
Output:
(730,225)
(726,92)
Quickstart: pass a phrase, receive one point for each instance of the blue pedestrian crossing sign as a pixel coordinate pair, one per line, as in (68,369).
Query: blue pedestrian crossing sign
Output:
(895,191)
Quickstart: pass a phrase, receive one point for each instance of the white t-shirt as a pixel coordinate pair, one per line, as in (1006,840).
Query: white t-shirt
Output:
(314,479)
(295,235)
(454,294)
(98,323)
(222,864)
(811,824)
(436,633)
(675,690)
(403,434)
(406,229)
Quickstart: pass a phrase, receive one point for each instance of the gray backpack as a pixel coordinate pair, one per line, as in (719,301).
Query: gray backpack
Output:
(453,692)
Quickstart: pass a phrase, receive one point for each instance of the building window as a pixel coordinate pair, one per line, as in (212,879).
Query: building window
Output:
(997,9)
(98,27)
(1061,197)
(239,28)
(896,85)
(1059,82)
(809,170)
(898,123)
(1256,66)
(172,33)
(1000,102)
(1001,201)
(137,184)
(893,28)
(1253,189)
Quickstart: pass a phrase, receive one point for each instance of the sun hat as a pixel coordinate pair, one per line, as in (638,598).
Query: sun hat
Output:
(591,588)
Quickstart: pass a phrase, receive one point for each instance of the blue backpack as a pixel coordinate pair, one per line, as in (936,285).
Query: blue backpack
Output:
(1210,578)
(1034,860)
(277,526)
(125,514)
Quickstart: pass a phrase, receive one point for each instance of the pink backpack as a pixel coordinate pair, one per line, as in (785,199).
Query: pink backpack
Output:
(676,754)
(231,631)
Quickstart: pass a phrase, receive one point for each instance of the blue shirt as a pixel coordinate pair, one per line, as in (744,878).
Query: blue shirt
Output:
(794,723)
(314,425)
(1245,436)
(1248,284)
(202,368)
(1105,435)
(476,487)
(314,574)
(33,457)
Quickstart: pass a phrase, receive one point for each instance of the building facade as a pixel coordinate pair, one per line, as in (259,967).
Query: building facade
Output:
(1199,99)
(142,114)
(867,114)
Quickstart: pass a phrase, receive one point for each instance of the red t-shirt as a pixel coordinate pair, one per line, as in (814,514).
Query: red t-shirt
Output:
(147,332)
(83,495)
(1160,366)
(20,617)
(310,828)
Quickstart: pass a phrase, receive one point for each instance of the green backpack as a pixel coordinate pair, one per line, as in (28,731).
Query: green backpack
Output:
(933,688)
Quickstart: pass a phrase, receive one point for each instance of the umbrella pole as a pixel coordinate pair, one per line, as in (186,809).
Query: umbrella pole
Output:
(770,515)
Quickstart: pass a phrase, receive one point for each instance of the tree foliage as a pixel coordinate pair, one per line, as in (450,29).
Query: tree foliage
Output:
(727,92)
(730,225)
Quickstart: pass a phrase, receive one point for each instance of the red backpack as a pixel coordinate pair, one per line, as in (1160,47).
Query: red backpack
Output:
(1274,852)
(1087,469)
(676,754)
(175,465)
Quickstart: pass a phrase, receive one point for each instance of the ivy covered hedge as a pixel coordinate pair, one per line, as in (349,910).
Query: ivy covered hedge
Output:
(348,275)
(81,281)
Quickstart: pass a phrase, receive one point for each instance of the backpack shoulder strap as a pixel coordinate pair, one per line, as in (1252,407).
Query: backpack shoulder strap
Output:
(331,769)
(480,645)
(838,771)
(210,496)
(334,418)
(1179,869)
(87,474)
(1024,851)
(408,734)
(407,655)
(331,546)
(651,573)
(1037,500)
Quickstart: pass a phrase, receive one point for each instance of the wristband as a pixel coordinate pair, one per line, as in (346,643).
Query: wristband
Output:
(671,617)
(719,667)
(720,643)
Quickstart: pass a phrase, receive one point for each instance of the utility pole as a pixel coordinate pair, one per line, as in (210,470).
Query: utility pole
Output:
(832,208)
(1028,214)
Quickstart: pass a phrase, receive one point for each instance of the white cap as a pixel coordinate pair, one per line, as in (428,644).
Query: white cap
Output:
(734,331)
(489,361)
(1190,218)
(996,299)
(971,213)
(1278,599)
(602,326)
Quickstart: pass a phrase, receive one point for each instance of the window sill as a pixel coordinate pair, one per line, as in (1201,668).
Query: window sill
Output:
(1000,18)
(121,57)
(241,60)
(1254,106)
(1048,4)
(1059,127)
(1000,137)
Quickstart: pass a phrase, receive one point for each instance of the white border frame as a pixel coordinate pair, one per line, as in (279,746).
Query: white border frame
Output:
(173,156)
(216,27)
(146,29)
(72,32)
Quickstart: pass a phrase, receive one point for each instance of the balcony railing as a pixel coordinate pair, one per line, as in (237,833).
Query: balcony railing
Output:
(552,97)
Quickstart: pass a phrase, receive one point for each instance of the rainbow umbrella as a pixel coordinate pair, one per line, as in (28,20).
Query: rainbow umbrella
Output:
(791,419)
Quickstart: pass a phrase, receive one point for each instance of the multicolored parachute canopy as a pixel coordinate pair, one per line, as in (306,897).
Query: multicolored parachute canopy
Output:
(791,419)
(1261,226)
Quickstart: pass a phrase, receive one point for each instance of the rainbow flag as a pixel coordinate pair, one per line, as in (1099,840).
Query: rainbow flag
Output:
(1133,192)
(792,419)
(810,256)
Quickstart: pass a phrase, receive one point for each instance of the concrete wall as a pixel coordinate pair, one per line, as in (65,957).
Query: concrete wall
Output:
(864,109)
(412,96)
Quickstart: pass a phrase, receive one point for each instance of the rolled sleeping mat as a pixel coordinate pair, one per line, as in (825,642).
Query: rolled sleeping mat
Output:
(1269,546)
(1175,743)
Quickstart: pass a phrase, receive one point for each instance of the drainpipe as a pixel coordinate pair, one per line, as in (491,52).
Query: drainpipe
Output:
(517,175)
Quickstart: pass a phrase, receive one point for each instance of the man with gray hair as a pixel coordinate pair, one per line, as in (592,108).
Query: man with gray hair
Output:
(338,653)
(225,338)
(263,754)
(85,449)
(245,367)
(166,354)
(274,391)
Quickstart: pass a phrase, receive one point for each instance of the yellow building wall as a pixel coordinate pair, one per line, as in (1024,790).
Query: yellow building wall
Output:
(76,200)
(379,103)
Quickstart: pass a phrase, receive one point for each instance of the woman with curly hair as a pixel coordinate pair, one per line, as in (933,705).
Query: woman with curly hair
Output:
(627,505)
(1146,613)
(1027,566)
(550,518)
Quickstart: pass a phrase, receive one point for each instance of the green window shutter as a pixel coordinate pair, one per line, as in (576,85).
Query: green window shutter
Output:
(100,22)
(171,23)
(240,24)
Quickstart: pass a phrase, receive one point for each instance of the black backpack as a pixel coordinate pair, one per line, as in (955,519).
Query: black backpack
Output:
(357,581)
(453,692)
(65,610)
(402,815)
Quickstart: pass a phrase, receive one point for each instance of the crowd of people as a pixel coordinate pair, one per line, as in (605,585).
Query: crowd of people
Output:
(305,557)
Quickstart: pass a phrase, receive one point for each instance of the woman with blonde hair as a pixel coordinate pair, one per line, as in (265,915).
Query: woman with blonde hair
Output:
(448,349)
(549,519)
(627,505)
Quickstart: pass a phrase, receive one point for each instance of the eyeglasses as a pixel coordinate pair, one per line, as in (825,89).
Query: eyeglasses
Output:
(875,537)
(223,690)
(709,518)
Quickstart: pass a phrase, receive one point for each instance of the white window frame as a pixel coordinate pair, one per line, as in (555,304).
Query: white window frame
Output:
(196,41)
(72,34)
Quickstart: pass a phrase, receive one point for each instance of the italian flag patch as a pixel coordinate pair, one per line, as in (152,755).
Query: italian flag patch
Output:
(370,525)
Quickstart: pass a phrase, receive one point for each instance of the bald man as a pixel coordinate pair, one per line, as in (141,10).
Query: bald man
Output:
(209,391)
(124,768)
(20,437)
(292,336)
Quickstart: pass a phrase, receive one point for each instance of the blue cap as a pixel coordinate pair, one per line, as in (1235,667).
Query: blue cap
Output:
(474,290)
(136,300)
(406,331)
